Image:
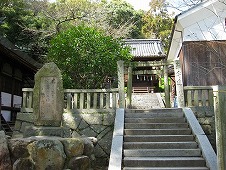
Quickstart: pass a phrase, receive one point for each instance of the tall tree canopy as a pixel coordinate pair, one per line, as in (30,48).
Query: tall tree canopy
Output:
(158,22)
(86,56)
(30,24)
(122,14)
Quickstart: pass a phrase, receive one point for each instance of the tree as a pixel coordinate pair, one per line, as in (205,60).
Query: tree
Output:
(31,24)
(157,22)
(121,14)
(86,56)
(22,25)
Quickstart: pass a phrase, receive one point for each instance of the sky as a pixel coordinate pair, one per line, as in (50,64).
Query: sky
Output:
(139,4)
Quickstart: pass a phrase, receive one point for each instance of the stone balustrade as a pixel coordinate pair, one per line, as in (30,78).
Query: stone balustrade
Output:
(79,99)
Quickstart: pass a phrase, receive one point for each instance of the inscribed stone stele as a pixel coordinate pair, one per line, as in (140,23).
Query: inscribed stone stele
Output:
(48,96)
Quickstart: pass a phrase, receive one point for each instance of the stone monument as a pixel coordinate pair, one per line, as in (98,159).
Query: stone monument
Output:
(48,97)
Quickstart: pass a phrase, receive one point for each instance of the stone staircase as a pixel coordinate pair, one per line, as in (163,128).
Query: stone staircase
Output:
(161,139)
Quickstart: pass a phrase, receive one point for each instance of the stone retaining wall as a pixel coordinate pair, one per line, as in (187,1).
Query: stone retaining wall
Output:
(206,118)
(99,125)
(44,152)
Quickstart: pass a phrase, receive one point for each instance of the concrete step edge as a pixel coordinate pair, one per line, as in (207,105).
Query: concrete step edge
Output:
(162,152)
(165,168)
(155,120)
(164,162)
(182,131)
(158,138)
(160,145)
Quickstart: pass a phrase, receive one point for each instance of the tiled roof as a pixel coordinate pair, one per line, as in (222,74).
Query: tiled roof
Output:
(145,47)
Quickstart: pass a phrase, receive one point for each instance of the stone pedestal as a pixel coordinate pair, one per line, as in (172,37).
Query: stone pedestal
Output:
(47,131)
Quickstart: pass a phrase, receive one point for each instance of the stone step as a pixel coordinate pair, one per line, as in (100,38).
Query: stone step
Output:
(164,162)
(160,145)
(181,131)
(158,138)
(155,125)
(161,152)
(152,111)
(165,168)
(154,120)
(154,115)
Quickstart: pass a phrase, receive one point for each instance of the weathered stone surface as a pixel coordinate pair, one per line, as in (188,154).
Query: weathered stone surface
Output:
(75,134)
(25,125)
(71,120)
(99,128)
(210,111)
(79,163)
(46,131)
(99,152)
(5,162)
(88,146)
(17,125)
(18,148)
(73,146)
(28,117)
(47,154)
(83,124)
(23,163)
(105,132)
(207,129)
(108,119)
(48,96)
(93,140)
(206,121)
(96,119)
(88,132)
(105,144)
(17,134)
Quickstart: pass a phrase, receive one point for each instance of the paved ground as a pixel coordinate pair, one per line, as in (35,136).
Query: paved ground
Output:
(146,101)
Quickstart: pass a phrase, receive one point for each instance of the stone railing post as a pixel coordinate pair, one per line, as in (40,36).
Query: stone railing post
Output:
(121,85)
(166,86)
(179,83)
(129,86)
(220,124)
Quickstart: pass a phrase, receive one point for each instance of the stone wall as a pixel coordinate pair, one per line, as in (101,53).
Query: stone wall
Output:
(99,125)
(44,152)
(206,118)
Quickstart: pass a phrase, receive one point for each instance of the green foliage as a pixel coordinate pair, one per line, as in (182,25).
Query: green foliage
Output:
(121,13)
(11,17)
(22,25)
(31,24)
(86,56)
(157,22)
